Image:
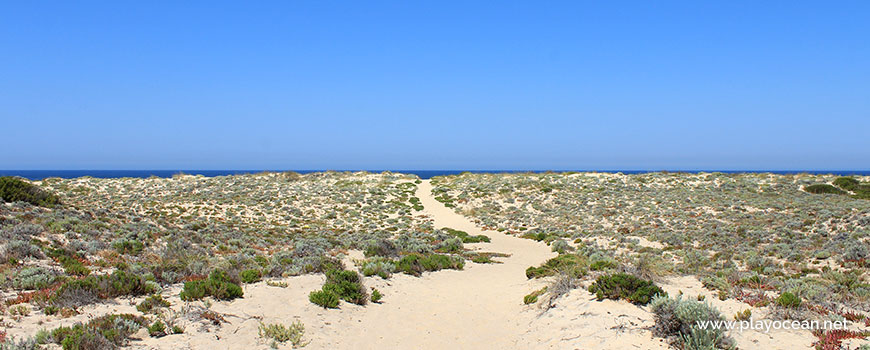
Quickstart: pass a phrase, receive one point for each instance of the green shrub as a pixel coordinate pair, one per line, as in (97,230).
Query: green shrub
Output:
(128,246)
(416,264)
(35,278)
(625,286)
(789,300)
(217,285)
(465,237)
(823,189)
(251,276)
(532,297)
(151,302)
(599,265)
(86,290)
(280,333)
(570,263)
(376,295)
(324,298)
(847,183)
(347,285)
(379,266)
(679,319)
(13,189)
(157,329)
(104,332)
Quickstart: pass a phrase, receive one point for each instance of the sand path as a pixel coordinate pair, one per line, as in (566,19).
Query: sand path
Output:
(480,307)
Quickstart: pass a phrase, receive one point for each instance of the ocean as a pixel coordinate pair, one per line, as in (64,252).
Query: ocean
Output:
(425,174)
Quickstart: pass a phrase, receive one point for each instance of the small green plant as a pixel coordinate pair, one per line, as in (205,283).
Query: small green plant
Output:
(281,334)
(250,276)
(788,300)
(279,284)
(570,263)
(679,319)
(326,299)
(416,264)
(151,302)
(744,315)
(347,285)
(157,329)
(376,295)
(532,297)
(625,286)
(217,285)
(465,237)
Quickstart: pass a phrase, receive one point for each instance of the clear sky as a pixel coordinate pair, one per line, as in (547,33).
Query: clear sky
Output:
(777,85)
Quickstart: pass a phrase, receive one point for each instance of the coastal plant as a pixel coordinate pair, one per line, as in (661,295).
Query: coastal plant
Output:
(378,266)
(347,285)
(152,302)
(625,286)
(217,285)
(280,333)
(326,299)
(823,189)
(416,264)
(465,237)
(250,276)
(532,297)
(574,264)
(678,319)
(376,295)
(104,332)
(35,278)
(13,189)
(89,289)
(788,300)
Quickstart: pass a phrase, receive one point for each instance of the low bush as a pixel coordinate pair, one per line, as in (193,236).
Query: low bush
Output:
(281,334)
(569,263)
(347,285)
(380,247)
(157,329)
(532,297)
(465,237)
(823,189)
(217,285)
(251,276)
(151,302)
(788,300)
(416,264)
(678,319)
(128,246)
(378,266)
(35,278)
(376,295)
(323,298)
(104,332)
(625,286)
(13,189)
(847,183)
(87,290)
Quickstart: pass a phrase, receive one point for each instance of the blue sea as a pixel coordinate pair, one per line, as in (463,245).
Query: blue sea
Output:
(425,174)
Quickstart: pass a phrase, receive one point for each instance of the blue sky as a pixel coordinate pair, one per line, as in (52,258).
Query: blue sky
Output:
(435,85)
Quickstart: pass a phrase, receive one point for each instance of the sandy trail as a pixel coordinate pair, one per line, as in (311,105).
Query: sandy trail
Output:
(479,307)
